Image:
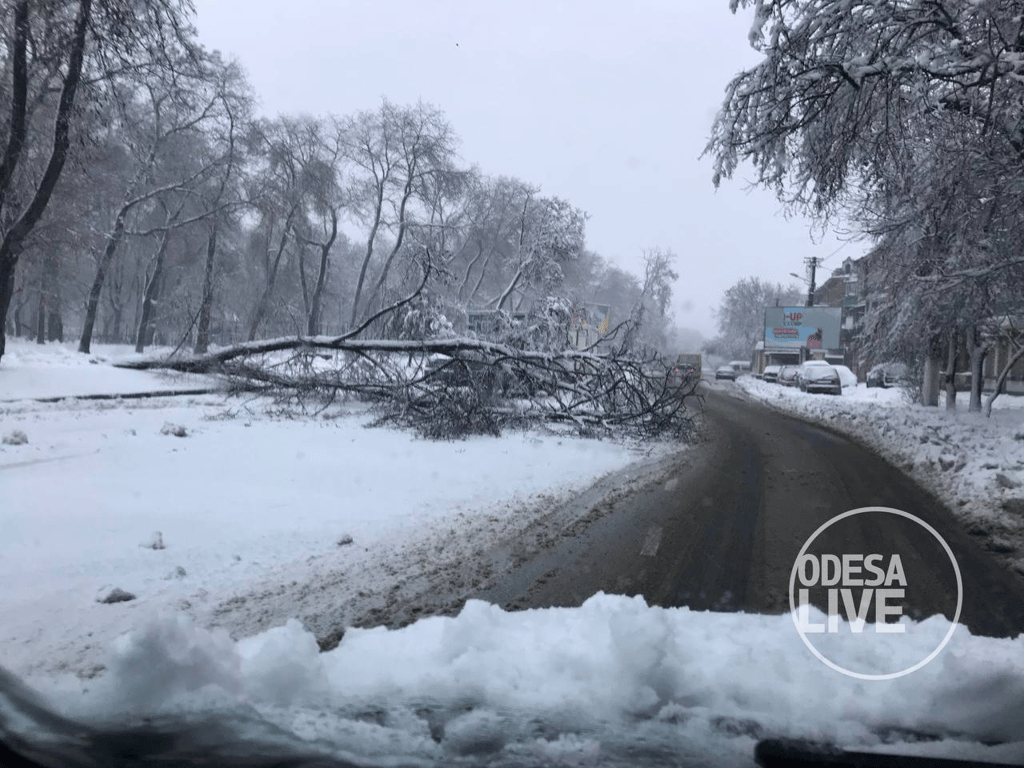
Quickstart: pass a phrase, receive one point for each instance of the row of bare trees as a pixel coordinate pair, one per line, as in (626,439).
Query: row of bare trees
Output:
(142,200)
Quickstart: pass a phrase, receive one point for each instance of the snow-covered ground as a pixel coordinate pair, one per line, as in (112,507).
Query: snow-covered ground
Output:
(57,370)
(218,507)
(263,514)
(973,463)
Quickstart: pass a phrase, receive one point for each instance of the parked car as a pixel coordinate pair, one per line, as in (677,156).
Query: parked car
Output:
(846,377)
(822,378)
(725,372)
(887,375)
(787,375)
(740,366)
(804,367)
(771,373)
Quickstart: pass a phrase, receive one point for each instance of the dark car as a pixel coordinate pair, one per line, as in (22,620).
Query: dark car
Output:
(822,378)
(682,375)
(887,375)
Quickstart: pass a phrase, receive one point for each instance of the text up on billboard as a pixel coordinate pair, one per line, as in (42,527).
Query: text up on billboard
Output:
(796,327)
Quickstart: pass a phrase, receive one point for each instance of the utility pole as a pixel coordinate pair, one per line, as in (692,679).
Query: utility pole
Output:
(812,262)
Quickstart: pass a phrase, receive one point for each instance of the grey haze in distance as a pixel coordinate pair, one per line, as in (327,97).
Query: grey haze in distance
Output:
(603,102)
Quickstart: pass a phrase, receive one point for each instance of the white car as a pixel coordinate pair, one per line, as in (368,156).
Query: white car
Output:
(846,377)
(771,373)
(822,378)
(801,371)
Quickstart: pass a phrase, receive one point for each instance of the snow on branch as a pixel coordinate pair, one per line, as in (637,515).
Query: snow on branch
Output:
(451,388)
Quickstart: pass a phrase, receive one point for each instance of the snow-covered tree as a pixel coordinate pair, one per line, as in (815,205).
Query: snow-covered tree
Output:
(906,118)
(741,315)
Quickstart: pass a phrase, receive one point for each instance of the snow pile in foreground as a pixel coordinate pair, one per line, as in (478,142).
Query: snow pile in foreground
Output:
(973,463)
(611,682)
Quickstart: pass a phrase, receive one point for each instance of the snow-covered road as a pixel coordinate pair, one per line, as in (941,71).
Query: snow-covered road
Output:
(974,464)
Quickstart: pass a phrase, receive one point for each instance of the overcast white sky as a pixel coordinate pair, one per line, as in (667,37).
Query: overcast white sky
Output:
(605,103)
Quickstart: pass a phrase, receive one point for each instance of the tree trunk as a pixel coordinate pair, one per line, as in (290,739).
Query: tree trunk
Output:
(303,283)
(480,281)
(7,267)
(313,329)
(113,334)
(41,319)
(930,385)
(92,307)
(13,239)
(511,287)
(147,324)
(54,321)
(206,309)
(949,375)
(378,288)
(16,322)
(263,305)
(367,256)
(48,309)
(1003,374)
(469,271)
(55,325)
(977,351)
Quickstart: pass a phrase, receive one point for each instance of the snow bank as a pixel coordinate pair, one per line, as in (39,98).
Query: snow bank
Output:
(613,680)
(973,463)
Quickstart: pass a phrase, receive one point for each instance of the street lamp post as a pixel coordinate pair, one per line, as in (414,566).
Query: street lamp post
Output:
(813,264)
(810,287)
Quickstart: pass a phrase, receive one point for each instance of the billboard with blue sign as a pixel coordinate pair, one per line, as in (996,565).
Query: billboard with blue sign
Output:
(796,327)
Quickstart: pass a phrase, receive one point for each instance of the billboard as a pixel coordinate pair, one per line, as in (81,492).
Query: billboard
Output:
(796,327)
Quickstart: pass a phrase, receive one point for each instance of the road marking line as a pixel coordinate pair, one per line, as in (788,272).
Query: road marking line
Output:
(651,541)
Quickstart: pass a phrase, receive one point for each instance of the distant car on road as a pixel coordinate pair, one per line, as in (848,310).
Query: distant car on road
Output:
(887,375)
(725,372)
(822,378)
(678,375)
(771,373)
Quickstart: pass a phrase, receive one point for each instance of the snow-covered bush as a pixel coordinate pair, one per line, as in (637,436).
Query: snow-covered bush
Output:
(421,318)
(174,429)
(15,437)
(115,595)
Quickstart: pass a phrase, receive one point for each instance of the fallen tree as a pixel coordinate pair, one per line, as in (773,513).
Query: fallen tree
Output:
(453,387)
(449,388)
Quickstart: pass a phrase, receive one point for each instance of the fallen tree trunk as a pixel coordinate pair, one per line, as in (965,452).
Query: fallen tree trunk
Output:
(450,388)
